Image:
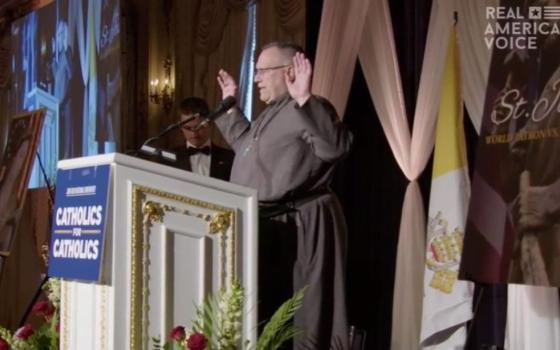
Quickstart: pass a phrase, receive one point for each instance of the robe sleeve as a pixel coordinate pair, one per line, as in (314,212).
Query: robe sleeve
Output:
(233,126)
(322,129)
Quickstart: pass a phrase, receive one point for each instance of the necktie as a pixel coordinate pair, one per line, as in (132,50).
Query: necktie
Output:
(194,150)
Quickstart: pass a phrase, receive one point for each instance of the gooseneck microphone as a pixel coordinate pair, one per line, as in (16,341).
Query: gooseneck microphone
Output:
(161,153)
(170,128)
(223,107)
(226,104)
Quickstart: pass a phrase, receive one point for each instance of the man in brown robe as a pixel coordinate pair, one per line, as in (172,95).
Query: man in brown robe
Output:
(288,154)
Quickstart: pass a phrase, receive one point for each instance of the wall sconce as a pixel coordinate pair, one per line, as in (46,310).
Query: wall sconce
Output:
(161,91)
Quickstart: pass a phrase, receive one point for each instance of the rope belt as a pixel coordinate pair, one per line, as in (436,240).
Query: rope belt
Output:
(269,209)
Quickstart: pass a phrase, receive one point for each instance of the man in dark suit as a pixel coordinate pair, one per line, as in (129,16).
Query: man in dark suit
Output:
(199,154)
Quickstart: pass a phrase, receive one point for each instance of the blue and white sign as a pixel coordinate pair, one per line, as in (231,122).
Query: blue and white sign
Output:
(79,217)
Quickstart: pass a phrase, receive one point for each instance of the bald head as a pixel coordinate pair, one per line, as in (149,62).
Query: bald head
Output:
(285,50)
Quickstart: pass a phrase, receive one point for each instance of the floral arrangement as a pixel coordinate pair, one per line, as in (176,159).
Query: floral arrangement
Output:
(218,324)
(44,337)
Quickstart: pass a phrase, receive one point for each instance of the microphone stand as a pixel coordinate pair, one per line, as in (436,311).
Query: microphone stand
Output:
(161,153)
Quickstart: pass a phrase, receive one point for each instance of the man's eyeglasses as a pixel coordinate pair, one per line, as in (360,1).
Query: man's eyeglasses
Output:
(267,69)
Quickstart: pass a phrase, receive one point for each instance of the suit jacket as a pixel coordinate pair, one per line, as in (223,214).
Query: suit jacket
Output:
(220,161)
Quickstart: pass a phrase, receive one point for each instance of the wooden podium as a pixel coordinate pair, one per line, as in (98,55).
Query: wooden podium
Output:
(172,237)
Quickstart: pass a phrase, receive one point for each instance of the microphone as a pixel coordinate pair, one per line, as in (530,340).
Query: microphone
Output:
(171,128)
(223,107)
(161,153)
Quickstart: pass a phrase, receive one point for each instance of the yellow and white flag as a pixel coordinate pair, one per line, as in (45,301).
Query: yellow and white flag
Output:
(447,302)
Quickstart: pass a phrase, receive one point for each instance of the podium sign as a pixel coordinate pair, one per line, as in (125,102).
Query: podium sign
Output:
(78,228)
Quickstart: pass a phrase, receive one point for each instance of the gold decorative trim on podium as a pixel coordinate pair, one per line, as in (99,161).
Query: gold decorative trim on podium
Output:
(103,321)
(144,214)
(100,291)
(64,317)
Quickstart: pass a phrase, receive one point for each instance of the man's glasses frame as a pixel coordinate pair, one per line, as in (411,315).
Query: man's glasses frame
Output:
(259,71)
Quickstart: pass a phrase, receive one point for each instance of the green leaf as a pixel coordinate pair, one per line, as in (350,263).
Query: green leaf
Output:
(279,328)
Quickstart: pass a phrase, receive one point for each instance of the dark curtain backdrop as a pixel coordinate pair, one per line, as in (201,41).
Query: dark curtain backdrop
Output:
(369,182)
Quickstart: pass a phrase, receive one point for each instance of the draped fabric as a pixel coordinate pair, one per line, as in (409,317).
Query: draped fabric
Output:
(211,37)
(533,320)
(290,14)
(341,22)
(238,4)
(278,20)
(378,59)
(411,151)
(409,273)
(135,75)
(213,16)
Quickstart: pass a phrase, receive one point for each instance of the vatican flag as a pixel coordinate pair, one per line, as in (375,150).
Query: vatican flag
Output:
(447,302)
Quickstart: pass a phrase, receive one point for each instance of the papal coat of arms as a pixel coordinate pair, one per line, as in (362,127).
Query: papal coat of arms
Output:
(443,253)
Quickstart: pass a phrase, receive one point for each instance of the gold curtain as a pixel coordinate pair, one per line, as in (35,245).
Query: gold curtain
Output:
(135,27)
(219,28)
(237,4)
(281,20)
(209,35)
(291,16)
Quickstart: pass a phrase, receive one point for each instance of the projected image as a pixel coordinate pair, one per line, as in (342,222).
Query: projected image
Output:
(66,58)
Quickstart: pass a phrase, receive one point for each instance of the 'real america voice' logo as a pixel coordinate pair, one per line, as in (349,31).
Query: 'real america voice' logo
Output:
(519,28)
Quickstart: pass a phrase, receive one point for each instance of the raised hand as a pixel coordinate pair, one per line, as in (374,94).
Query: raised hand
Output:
(298,79)
(227,84)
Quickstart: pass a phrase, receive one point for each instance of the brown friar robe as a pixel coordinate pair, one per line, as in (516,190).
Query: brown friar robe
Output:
(288,154)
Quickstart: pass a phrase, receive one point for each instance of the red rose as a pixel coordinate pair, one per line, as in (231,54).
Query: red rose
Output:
(197,341)
(4,345)
(44,309)
(24,332)
(178,333)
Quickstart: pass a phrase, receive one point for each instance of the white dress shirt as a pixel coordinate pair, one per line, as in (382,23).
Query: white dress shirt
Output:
(200,162)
